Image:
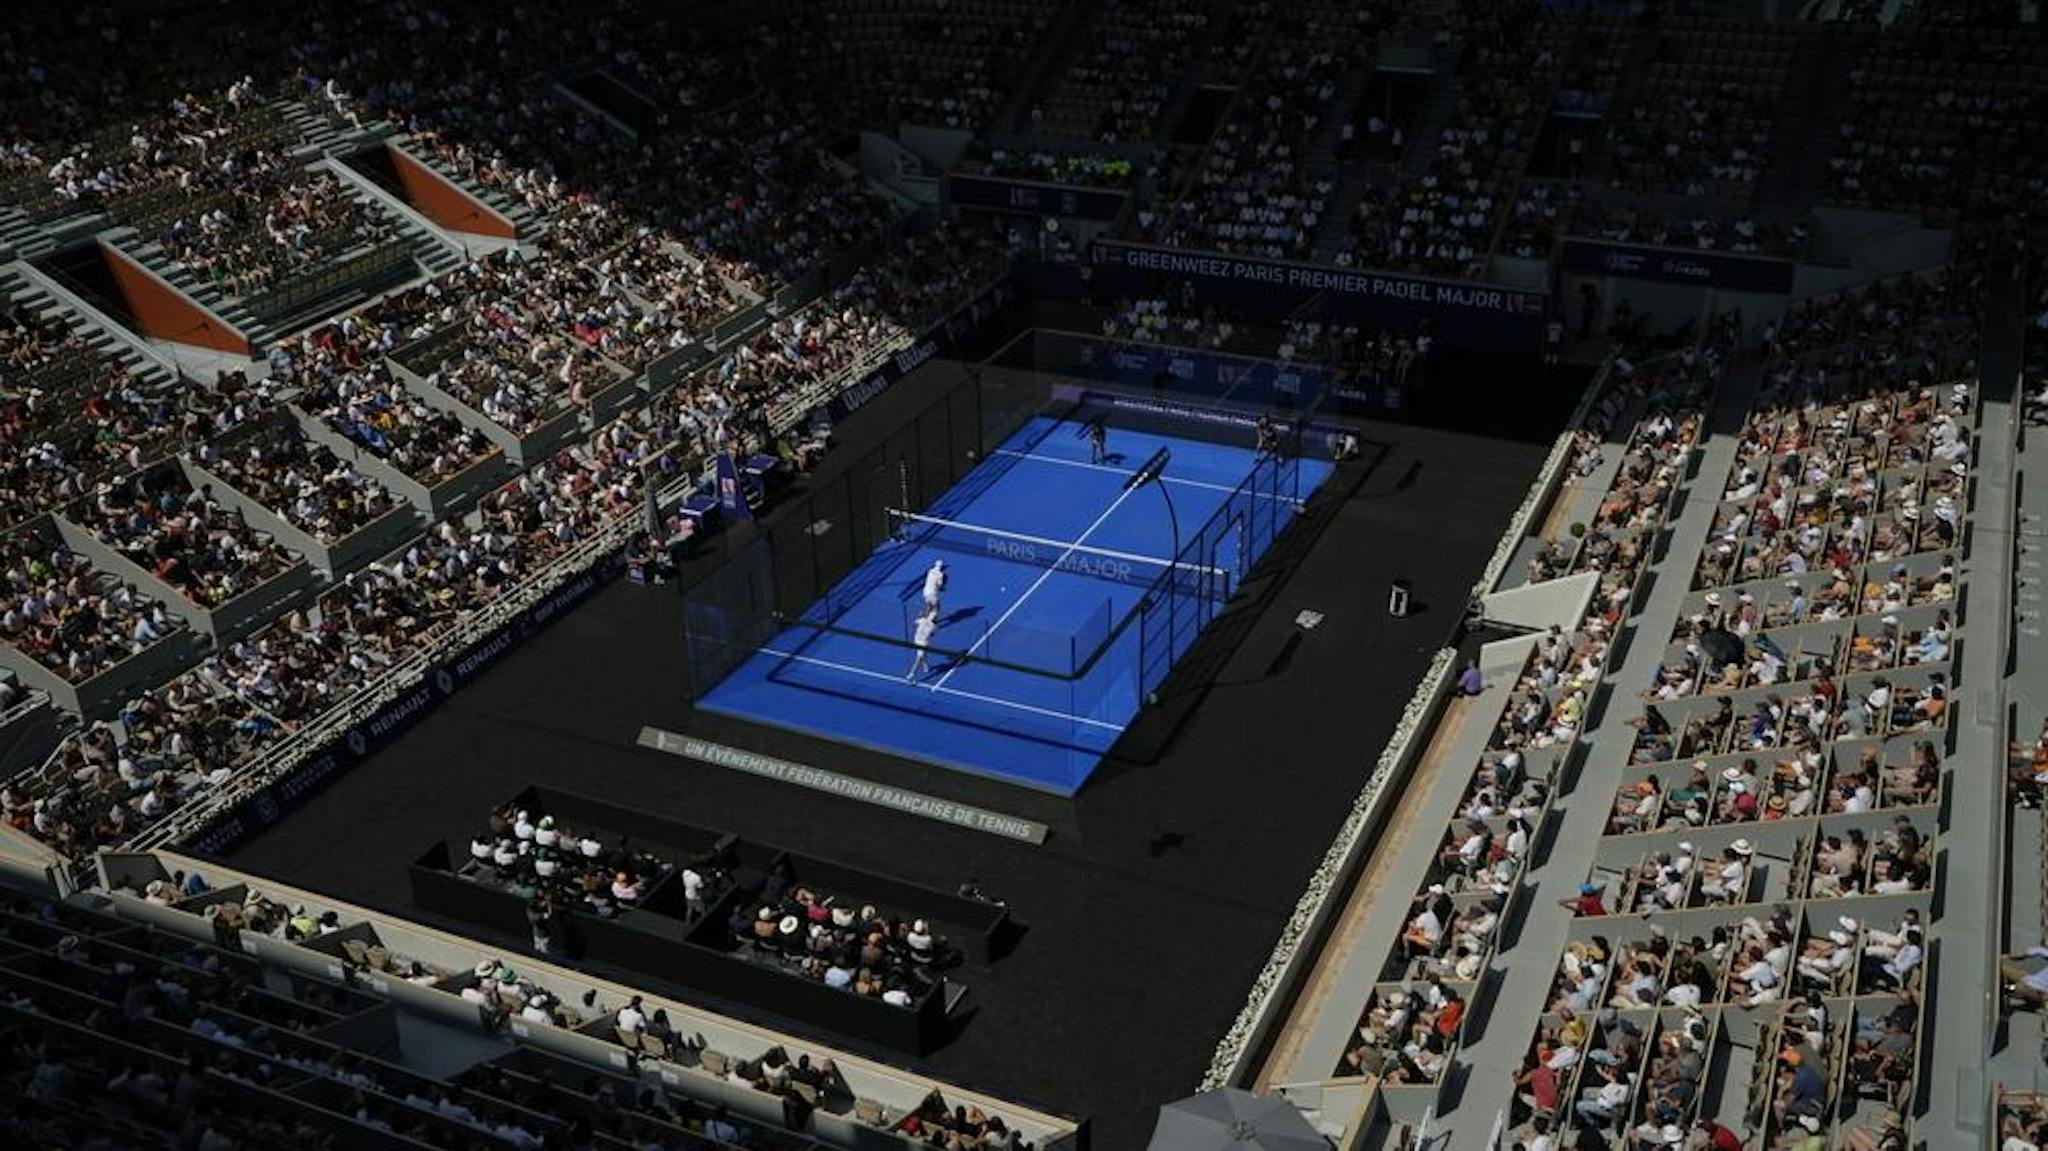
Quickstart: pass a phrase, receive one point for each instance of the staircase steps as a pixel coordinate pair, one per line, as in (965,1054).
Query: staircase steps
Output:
(1809,118)
(21,235)
(21,291)
(525,220)
(1429,127)
(1599,169)
(1041,73)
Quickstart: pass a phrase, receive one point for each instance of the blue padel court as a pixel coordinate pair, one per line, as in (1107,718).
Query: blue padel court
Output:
(1061,610)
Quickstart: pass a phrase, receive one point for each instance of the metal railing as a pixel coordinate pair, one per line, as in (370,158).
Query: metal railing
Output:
(282,757)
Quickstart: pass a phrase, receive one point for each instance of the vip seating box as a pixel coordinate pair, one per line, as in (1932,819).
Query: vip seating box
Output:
(249,609)
(438,499)
(654,938)
(368,540)
(560,423)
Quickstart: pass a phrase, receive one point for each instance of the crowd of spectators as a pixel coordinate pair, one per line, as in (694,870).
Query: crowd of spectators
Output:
(2022,1118)
(106,783)
(272,220)
(1442,219)
(517,339)
(1936,124)
(1160,321)
(1864,415)
(72,416)
(30,343)
(1451,932)
(65,615)
(922,277)
(1742,234)
(378,616)
(343,379)
(853,947)
(945,63)
(1704,123)
(308,662)
(555,869)
(162,1039)
(1061,166)
(1115,91)
(1373,360)
(314,490)
(174,150)
(1252,192)
(185,537)
(801,352)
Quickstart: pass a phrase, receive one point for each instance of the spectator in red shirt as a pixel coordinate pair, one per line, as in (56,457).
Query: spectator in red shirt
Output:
(1587,902)
(1537,1091)
(1719,1138)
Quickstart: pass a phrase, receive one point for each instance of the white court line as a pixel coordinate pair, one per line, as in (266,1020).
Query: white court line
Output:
(948,690)
(1036,584)
(1214,487)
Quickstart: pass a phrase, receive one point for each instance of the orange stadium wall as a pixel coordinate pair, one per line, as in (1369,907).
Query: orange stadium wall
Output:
(444,203)
(162,312)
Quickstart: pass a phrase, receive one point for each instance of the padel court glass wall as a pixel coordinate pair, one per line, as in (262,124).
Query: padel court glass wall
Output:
(812,572)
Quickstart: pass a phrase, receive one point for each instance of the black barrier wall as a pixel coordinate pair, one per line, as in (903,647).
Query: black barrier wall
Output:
(654,938)
(279,798)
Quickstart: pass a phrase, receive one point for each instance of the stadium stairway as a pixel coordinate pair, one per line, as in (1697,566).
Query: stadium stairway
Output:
(1054,52)
(1628,93)
(21,236)
(1438,108)
(1221,21)
(2003,884)
(1351,187)
(1527,968)
(325,134)
(435,251)
(23,285)
(524,219)
(1808,117)
(1321,153)
(153,256)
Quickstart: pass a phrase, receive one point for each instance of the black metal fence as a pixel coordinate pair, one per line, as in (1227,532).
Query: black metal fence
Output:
(773,576)
(793,572)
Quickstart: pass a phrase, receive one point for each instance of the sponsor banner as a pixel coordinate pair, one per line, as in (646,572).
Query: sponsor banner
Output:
(942,334)
(846,786)
(1034,198)
(1238,379)
(1455,295)
(282,795)
(1725,271)
(1489,320)
(732,499)
(1266,383)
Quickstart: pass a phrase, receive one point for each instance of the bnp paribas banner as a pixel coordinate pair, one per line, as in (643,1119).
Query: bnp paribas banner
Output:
(1275,289)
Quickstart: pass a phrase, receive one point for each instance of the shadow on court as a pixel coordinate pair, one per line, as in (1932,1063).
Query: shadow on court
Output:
(1152,731)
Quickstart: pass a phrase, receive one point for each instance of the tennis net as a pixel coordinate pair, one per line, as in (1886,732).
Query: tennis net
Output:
(1080,559)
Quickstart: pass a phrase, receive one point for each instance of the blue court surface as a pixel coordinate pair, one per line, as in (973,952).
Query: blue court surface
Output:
(1039,660)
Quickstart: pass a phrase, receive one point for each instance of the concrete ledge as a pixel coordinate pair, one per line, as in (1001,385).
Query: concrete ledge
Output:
(1302,939)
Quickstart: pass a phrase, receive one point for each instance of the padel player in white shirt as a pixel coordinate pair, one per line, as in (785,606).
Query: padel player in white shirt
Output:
(934,586)
(921,637)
